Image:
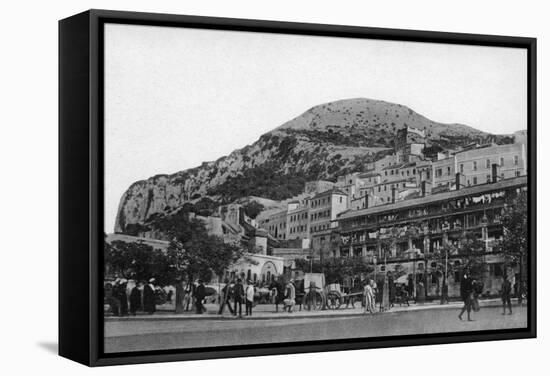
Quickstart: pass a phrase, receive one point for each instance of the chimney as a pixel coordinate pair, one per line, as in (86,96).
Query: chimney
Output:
(494,172)
(393,195)
(457,181)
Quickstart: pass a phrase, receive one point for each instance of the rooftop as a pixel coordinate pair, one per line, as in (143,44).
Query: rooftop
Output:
(444,196)
(333,191)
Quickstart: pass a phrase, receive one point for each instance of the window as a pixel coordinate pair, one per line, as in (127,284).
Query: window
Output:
(475,165)
(448,170)
(386,173)
(488,178)
(428,174)
(502,161)
(403,185)
(461,168)
(517,173)
(408,172)
(516,160)
(475,180)
(388,199)
(340,199)
(379,188)
(438,173)
(414,171)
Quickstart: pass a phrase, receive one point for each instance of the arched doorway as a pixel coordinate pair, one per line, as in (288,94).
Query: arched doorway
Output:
(269,271)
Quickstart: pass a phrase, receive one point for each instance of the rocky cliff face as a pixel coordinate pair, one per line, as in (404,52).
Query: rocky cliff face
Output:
(326,141)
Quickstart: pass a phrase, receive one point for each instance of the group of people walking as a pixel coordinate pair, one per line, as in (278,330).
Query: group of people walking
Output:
(471,289)
(237,293)
(124,301)
(234,294)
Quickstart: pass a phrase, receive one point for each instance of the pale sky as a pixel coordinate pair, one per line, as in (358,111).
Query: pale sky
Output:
(176,97)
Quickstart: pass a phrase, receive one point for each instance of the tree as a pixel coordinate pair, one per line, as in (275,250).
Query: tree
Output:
(443,263)
(514,244)
(134,260)
(472,249)
(253,208)
(193,253)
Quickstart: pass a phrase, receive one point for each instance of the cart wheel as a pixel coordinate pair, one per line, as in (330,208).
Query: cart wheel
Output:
(320,301)
(333,300)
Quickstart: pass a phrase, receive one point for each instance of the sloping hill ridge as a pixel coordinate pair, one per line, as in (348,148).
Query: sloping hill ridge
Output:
(326,141)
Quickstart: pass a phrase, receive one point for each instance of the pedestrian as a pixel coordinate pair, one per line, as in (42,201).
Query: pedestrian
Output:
(368,294)
(410,287)
(123,297)
(277,293)
(290,296)
(249,298)
(135,299)
(420,292)
(238,297)
(149,304)
(226,295)
(111,297)
(505,293)
(477,287)
(391,289)
(312,296)
(466,292)
(200,294)
(444,291)
(403,295)
(187,297)
(180,295)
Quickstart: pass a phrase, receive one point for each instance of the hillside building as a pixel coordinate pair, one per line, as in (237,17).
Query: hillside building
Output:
(409,142)
(323,210)
(423,225)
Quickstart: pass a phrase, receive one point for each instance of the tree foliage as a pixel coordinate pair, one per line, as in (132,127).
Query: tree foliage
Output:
(194,253)
(514,222)
(135,260)
(253,208)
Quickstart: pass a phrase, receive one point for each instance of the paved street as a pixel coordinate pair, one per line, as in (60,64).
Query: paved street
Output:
(135,335)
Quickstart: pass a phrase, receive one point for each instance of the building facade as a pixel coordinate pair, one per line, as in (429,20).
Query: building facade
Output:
(323,210)
(419,228)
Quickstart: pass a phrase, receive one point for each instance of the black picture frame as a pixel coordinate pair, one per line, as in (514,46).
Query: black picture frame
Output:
(81,183)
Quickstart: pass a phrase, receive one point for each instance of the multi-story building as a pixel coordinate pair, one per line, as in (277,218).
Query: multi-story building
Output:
(298,222)
(409,142)
(477,165)
(420,227)
(480,165)
(323,210)
(276,224)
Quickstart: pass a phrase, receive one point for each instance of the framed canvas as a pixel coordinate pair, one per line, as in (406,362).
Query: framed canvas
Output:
(234,187)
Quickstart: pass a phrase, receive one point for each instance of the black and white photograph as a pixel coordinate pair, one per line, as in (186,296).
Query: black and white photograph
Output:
(303,187)
(273,188)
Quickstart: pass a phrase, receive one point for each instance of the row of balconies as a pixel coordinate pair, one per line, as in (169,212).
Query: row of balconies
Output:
(404,219)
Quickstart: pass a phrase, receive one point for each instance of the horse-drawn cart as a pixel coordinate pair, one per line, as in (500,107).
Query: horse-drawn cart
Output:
(318,295)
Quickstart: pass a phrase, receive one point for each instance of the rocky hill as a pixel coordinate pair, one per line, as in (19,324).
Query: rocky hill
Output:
(326,141)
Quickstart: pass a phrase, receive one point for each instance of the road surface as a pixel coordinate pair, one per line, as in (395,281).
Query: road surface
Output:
(121,336)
